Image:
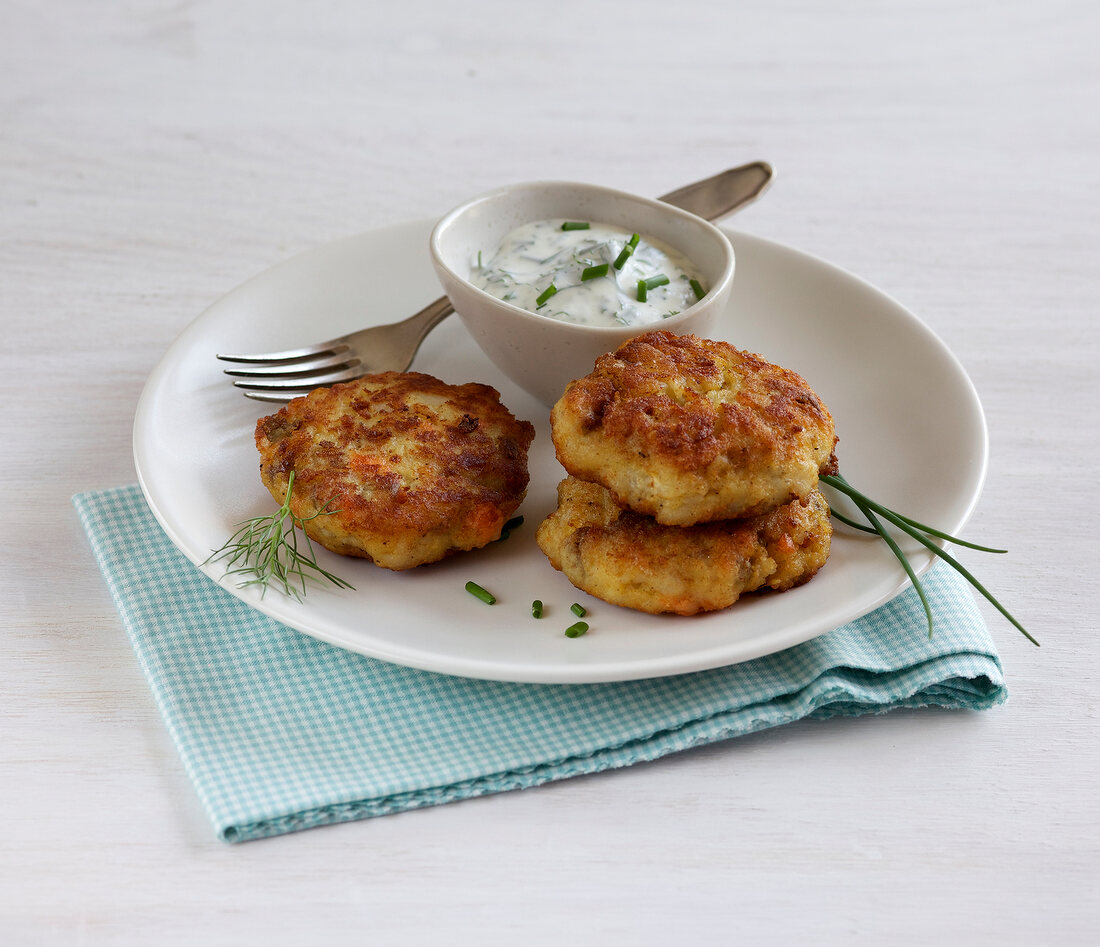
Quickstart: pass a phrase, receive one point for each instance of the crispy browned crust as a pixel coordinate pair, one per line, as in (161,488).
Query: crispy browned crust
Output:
(409,468)
(689,430)
(631,560)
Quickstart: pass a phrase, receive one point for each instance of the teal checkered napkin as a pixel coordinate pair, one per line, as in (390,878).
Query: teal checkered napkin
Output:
(280,732)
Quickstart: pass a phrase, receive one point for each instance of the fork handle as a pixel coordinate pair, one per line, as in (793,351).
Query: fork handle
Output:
(403,338)
(429,317)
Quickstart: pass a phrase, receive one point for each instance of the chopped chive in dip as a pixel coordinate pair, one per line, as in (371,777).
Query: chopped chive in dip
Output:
(575,225)
(536,609)
(627,251)
(576,630)
(546,294)
(478,592)
(594,272)
(645,285)
(697,288)
(577,609)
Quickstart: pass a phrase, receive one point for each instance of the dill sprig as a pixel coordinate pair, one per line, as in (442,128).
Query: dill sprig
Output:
(266,550)
(922,534)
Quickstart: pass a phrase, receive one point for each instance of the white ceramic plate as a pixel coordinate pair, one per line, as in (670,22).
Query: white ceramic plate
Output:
(912,434)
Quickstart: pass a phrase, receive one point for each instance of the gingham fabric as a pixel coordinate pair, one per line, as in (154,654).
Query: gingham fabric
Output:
(280,732)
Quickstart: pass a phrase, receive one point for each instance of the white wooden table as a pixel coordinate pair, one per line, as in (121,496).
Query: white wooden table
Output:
(157,153)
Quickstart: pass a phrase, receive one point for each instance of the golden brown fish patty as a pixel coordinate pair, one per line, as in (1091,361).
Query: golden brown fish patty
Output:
(410,468)
(629,559)
(690,430)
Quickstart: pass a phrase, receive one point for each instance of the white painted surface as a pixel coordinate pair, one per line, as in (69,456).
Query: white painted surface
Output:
(156,154)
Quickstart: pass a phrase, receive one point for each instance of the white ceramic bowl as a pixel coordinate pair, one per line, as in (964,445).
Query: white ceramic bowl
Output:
(540,354)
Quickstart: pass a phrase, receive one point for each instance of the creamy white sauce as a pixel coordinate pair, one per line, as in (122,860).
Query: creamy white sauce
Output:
(541,254)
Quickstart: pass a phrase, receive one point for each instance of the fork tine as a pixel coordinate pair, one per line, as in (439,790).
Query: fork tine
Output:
(332,347)
(300,383)
(294,369)
(273,397)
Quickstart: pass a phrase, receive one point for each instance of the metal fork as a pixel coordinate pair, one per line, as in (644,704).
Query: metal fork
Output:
(280,376)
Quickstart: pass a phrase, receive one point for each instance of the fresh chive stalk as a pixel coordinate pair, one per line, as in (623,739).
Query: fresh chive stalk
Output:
(594,272)
(921,533)
(576,629)
(478,592)
(877,527)
(697,288)
(643,291)
(577,609)
(536,609)
(576,225)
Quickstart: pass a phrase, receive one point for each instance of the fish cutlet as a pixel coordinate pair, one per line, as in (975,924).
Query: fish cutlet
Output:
(398,467)
(629,559)
(690,430)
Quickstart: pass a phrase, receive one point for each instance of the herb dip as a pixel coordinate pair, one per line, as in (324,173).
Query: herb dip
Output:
(589,274)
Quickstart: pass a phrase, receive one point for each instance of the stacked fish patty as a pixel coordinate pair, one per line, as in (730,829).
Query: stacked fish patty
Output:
(693,477)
